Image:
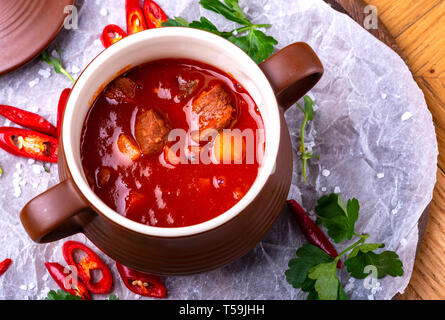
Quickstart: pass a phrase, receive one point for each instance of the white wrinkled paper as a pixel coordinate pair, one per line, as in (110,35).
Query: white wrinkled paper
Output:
(372,130)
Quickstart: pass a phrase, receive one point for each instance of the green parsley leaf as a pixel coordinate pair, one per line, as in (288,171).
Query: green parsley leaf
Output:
(61,295)
(338,219)
(254,42)
(308,256)
(387,263)
(341,295)
(56,63)
(309,107)
(176,22)
(326,280)
(1,171)
(113,297)
(231,12)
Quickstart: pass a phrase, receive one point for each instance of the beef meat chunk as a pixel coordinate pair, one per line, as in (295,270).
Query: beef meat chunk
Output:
(121,90)
(214,111)
(151,131)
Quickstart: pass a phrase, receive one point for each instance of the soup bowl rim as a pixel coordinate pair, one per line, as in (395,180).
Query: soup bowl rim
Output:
(272,139)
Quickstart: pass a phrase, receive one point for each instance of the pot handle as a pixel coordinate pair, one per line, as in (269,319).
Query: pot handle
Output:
(50,216)
(292,72)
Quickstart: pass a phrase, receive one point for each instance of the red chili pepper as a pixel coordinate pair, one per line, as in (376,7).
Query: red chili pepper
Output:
(312,232)
(111,34)
(67,281)
(61,107)
(84,267)
(28,120)
(135,17)
(154,14)
(144,284)
(29,144)
(4,265)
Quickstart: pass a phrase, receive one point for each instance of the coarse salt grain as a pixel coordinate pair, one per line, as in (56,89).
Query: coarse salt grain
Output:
(55,54)
(380,175)
(349,287)
(103,12)
(23,287)
(17,191)
(34,109)
(266,7)
(394,211)
(323,189)
(384,96)
(37,169)
(337,189)
(7,123)
(31,286)
(315,107)
(326,173)
(370,297)
(44,73)
(45,277)
(403,242)
(406,116)
(75,69)
(31,161)
(33,83)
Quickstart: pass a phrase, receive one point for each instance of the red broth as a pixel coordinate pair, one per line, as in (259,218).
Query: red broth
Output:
(149,190)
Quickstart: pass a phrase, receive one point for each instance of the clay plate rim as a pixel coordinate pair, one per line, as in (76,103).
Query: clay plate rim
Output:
(27,27)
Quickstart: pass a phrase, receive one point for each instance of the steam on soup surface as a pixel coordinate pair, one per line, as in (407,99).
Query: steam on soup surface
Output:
(160,146)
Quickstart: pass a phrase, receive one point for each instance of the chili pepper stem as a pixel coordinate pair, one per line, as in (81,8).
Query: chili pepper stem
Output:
(362,240)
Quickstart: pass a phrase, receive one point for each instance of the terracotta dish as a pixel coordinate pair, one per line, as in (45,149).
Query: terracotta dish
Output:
(72,206)
(26,29)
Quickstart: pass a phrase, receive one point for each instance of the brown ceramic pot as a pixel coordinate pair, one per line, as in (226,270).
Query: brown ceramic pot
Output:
(72,207)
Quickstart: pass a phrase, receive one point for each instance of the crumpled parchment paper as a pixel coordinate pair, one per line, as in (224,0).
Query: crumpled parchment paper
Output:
(372,130)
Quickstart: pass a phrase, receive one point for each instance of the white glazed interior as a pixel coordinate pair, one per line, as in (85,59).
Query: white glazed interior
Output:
(157,44)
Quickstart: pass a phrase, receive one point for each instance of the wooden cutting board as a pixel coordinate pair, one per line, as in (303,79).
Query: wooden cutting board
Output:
(356,9)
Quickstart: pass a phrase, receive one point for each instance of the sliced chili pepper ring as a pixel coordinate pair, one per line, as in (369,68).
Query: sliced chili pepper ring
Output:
(86,265)
(154,14)
(111,34)
(66,282)
(29,144)
(135,17)
(143,284)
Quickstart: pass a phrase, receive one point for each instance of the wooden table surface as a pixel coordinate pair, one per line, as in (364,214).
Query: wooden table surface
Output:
(418,27)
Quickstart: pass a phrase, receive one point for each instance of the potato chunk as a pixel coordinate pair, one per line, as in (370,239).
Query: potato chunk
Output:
(128,148)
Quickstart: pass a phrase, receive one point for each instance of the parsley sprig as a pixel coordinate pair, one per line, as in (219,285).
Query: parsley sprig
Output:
(56,63)
(315,272)
(308,111)
(62,295)
(248,37)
